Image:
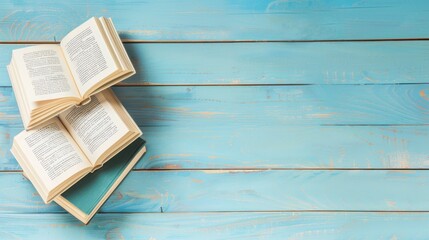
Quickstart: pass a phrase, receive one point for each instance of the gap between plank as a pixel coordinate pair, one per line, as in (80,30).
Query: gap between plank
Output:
(258,212)
(241,169)
(238,41)
(148,84)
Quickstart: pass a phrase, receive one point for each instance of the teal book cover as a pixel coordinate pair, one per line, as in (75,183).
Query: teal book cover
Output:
(84,198)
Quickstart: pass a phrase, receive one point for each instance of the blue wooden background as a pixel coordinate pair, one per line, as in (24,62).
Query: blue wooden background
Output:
(264,119)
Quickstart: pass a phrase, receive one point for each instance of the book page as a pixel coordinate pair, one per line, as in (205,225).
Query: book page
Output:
(96,126)
(52,153)
(90,58)
(43,70)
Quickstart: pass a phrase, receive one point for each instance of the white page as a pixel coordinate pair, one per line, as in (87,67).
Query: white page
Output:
(44,72)
(89,57)
(52,153)
(96,126)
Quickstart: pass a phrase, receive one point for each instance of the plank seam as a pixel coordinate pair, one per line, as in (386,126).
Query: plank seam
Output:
(261,212)
(237,170)
(148,84)
(241,41)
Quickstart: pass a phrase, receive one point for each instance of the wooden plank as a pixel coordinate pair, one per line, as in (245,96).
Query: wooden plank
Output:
(271,63)
(286,147)
(256,106)
(219,226)
(331,147)
(244,190)
(220,20)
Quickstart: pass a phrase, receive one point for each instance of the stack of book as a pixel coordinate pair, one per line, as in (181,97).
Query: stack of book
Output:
(79,141)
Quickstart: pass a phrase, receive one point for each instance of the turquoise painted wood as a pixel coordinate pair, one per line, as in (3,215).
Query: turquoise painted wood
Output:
(276,147)
(220,20)
(305,226)
(256,106)
(270,63)
(245,190)
(235,149)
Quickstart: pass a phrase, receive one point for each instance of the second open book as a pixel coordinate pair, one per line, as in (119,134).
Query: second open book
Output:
(48,79)
(61,151)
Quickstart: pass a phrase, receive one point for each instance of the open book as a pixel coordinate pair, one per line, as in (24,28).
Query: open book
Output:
(48,79)
(61,151)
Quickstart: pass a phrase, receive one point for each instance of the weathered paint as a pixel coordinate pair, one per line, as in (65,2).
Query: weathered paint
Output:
(270,63)
(217,144)
(192,20)
(244,190)
(330,147)
(276,225)
(256,106)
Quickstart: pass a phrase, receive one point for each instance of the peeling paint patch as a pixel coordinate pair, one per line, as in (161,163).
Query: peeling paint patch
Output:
(197,180)
(172,166)
(232,171)
(422,94)
(170,155)
(403,171)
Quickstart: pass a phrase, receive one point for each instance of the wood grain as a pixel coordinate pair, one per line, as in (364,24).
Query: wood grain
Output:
(219,226)
(220,20)
(270,63)
(244,190)
(333,147)
(256,106)
(231,157)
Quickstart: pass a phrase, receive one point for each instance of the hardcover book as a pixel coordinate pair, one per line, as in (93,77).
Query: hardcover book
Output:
(84,198)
